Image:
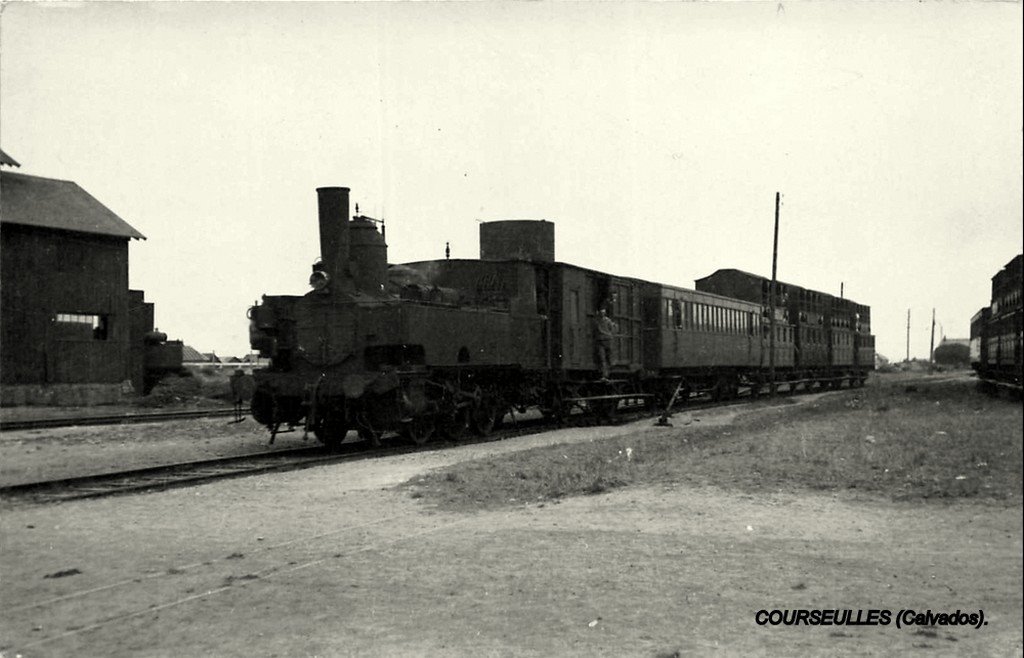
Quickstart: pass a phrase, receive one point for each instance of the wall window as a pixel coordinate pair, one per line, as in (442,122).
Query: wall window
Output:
(97,323)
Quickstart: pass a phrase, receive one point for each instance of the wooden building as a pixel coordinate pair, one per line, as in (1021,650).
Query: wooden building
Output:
(67,329)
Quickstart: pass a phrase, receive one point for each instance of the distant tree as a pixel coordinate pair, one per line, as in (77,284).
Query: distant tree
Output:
(953,354)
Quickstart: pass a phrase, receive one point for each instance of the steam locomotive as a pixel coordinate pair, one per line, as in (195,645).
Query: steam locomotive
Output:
(996,332)
(450,345)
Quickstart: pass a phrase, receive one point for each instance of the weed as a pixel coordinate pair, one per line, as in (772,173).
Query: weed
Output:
(931,445)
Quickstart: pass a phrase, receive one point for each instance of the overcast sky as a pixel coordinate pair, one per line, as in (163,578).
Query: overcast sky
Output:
(654,135)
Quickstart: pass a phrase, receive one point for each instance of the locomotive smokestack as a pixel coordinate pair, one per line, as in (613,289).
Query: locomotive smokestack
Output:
(334,237)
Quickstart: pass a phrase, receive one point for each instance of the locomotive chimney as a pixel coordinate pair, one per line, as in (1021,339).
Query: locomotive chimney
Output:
(334,235)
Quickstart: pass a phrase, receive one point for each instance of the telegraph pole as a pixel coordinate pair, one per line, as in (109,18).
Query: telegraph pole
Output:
(908,335)
(771,320)
(931,348)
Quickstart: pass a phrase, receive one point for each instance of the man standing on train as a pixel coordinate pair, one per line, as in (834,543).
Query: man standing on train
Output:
(606,329)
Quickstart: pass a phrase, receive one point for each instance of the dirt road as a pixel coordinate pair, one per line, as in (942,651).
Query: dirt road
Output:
(334,561)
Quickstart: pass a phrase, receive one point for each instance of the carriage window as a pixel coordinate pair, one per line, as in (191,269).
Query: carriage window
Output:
(677,314)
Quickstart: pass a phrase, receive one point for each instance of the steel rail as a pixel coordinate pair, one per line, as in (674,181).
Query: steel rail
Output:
(113,419)
(165,476)
(180,474)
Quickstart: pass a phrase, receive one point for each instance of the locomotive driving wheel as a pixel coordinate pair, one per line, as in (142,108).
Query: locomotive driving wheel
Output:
(331,431)
(370,436)
(452,425)
(418,430)
(483,417)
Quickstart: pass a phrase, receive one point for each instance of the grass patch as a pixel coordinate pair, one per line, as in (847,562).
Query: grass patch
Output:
(933,440)
(191,387)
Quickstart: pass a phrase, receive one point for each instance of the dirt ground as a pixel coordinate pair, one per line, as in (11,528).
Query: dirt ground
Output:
(336,561)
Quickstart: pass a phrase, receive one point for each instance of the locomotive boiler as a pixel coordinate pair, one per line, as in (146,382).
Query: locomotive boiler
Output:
(367,352)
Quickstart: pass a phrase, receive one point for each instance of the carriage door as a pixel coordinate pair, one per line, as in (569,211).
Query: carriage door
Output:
(575,326)
(625,311)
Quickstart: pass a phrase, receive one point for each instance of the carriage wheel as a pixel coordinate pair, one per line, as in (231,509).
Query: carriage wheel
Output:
(724,389)
(557,412)
(605,409)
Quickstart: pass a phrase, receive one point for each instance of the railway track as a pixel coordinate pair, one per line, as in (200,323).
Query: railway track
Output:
(113,419)
(198,472)
(166,476)
(181,474)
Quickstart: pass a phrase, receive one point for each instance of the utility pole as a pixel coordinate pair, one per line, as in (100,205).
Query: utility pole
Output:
(931,349)
(908,335)
(771,320)
(840,290)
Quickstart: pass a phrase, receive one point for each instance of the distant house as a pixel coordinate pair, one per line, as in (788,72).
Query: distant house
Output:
(255,360)
(190,356)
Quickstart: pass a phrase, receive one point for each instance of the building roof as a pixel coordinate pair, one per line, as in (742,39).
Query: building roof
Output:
(756,276)
(57,204)
(190,354)
(8,160)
